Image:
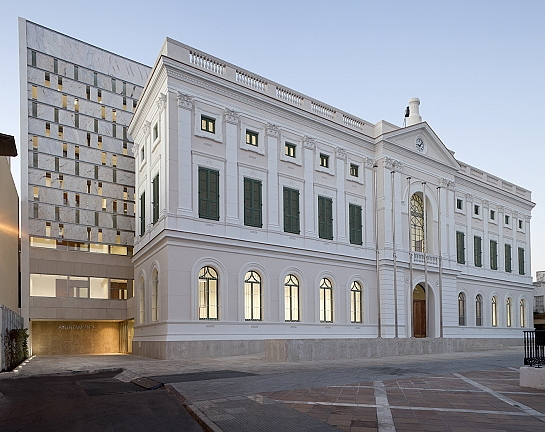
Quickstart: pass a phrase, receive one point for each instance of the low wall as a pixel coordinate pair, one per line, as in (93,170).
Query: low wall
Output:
(297,350)
(532,377)
(173,350)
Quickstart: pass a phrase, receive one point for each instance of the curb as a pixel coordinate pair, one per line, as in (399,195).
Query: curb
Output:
(62,373)
(197,414)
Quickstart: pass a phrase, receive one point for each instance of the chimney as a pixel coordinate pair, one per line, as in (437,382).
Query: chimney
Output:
(414,116)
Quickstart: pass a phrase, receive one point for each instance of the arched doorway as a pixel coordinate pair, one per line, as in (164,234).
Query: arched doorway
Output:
(419,312)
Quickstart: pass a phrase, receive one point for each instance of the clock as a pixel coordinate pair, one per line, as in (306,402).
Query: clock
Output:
(420,145)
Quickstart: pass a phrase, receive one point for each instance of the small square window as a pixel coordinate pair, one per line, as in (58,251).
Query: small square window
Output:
(459,204)
(251,138)
(289,149)
(354,170)
(208,124)
(476,209)
(324,160)
(492,215)
(506,219)
(520,224)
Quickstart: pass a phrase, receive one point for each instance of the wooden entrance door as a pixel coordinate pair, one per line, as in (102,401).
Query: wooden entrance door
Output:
(419,318)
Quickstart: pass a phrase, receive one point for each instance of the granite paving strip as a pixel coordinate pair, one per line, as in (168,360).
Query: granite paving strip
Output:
(384,415)
(525,408)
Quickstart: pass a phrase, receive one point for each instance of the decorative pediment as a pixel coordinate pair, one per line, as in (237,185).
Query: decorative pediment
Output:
(422,142)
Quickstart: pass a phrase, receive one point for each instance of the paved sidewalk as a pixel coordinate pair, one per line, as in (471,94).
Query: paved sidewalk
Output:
(448,392)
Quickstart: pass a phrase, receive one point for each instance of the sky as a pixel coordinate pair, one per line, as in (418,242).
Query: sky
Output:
(478,67)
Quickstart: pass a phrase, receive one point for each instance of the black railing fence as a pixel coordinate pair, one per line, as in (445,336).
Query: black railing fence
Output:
(534,347)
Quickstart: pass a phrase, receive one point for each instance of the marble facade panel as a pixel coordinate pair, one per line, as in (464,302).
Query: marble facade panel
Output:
(36,76)
(36,227)
(125,177)
(51,95)
(36,127)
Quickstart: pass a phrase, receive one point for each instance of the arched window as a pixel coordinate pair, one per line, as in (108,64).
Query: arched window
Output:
(461,309)
(142,300)
(252,296)
(479,310)
(208,293)
(355,303)
(417,224)
(155,295)
(494,311)
(291,298)
(326,301)
(509,309)
(522,313)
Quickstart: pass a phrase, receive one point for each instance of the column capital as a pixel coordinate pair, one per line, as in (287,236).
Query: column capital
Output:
(185,101)
(231,116)
(309,143)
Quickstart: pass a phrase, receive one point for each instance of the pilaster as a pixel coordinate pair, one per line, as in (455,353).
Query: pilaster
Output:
(272,183)
(232,119)
(309,145)
(185,187)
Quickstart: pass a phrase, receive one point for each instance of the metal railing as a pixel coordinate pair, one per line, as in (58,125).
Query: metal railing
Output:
(534,347)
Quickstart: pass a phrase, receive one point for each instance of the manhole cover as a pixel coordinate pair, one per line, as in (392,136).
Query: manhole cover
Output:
(108,386)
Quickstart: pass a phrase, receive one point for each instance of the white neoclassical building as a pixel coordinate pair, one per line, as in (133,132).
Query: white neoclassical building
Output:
(265,214)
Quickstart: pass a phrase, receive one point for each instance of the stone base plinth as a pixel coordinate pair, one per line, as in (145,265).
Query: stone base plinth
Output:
(296,350)
(532,377)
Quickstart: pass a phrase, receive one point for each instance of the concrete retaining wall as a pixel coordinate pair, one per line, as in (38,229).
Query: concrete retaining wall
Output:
(297,350)
(173,350)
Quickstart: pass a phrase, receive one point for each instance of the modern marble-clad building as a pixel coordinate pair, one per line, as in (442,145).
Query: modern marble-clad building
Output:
(77,192)
(264,214)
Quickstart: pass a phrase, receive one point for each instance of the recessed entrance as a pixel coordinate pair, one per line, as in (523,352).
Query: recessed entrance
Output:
(419,312)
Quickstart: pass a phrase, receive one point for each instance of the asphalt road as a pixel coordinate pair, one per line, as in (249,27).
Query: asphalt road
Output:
(88,402)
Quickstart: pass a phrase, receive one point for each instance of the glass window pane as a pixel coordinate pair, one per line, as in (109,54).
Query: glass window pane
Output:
(99,288)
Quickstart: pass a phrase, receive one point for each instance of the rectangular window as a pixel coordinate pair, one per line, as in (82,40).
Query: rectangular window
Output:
(57,214)
(521,261)
(33,58)
(252,137)
(354,170)
(77,200)
(96,125)
(114,175)
(291,211)
(506,219)
(88,139)
(57,164)
(55,66)
(99,142)
(114,131)
(508,258)
(76,74)
(103,158)
(61,181)
(113,85)
(134,105)
(124,91)
(114,206)
(289,149)
(47,129)
(48,229)
(99,95)
(125,148)
(324,160)
(76,120)
(88,92)
(88,186)
(476,210)
(65,198)
(125,103)
(61,230)
(209,193)
(125,133)
(459,204)
(76,168)
(76,152)
(155,131)
(35,211)
(76,104)
(48,179)
(142,213)
(77,216)
(36,192)
(103,111)
(460,248)
(96,173)
(114,221)
(477,251)
(493,254)
(34,92)
(520,224)
(64,150)
(100,235)
(208,124)
(252,203)
(114,161)
(125,208)
(35,142)
(355,223)
(34,109)
(89,233)
(492,215)
(100,188)
(155,199)
(325,218)
(35,159)
(114,115)
(59,83)
(61,132)
(103,204)
(96,219)
(47,80)
(95,79)
(56,115)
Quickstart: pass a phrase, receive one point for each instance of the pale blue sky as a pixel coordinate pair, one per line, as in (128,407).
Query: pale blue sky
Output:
(478,67)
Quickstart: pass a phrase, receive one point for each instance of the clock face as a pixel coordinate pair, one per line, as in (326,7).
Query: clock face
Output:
(420,145)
